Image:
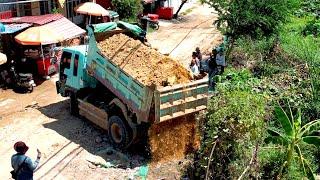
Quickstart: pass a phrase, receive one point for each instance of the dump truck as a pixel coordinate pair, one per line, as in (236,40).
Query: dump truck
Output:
(106,95)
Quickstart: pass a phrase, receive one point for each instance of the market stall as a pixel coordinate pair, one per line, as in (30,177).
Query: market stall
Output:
(38,42)
(9,46)
(40,36)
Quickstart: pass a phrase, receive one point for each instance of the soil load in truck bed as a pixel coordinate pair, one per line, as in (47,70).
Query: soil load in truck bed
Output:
(143,63)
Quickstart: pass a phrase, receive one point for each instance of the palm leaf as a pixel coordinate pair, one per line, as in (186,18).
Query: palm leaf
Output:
(298,151)
(284,120)
(309,172)
(310,127)
(297,122)
(276,138)
(315,140)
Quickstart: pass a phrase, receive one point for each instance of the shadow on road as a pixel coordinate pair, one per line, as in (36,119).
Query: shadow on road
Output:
(90,137)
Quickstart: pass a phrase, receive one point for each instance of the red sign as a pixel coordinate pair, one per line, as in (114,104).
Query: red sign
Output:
(5,14)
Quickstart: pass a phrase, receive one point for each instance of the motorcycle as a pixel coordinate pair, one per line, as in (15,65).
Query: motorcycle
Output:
(22,81)
(150,19)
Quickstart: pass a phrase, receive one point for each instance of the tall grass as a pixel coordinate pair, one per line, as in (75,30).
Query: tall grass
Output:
(304,49)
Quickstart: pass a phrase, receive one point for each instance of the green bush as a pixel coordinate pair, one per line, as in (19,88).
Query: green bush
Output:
(233,125)
(312,28)
(127,9)
(308,7)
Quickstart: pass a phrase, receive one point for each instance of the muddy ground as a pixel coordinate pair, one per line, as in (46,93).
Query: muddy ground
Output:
(73,148)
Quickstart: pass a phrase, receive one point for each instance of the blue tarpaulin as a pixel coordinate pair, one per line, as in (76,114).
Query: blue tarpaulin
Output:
(12,28)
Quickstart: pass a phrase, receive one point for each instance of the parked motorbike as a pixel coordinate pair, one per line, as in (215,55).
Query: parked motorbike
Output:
(149,19)
(23,81)
(154,24)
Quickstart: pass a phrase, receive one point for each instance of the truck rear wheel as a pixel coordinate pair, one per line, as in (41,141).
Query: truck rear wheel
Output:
(74,109)
(119,132)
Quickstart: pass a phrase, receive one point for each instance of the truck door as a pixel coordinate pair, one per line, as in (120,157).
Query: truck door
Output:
(76,71)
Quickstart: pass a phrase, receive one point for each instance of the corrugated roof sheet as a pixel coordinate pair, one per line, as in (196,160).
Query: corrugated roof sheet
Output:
(66,28)
(37,20)
(12,28)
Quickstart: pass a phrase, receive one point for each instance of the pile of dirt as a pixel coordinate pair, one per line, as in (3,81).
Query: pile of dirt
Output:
(173,139)
(143,63)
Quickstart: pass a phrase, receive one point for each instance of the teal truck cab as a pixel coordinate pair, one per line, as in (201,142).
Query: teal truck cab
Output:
(103,93)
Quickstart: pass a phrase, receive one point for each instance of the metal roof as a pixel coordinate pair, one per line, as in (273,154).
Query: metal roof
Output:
(37,20)
(12,28)
(20,2)
(65,28)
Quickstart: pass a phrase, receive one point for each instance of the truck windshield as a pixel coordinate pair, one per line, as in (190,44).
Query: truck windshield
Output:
(66,60)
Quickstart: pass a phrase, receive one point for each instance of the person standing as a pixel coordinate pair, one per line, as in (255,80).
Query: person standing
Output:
(212,67)
(194,69)
(221,60)
(199,54)
(194,58)
(23,167)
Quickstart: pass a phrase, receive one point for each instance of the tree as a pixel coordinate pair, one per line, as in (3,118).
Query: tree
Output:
(127,9)
(291,134)
(253,18)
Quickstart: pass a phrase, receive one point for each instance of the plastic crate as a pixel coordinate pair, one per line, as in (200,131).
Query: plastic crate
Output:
(165,12)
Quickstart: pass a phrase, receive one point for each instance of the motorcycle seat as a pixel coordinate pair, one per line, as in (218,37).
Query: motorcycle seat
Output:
(25,75)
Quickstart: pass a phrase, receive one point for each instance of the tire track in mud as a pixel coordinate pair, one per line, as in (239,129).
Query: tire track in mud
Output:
(57,162)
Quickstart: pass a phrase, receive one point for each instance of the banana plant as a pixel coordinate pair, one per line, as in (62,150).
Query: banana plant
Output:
(292,134)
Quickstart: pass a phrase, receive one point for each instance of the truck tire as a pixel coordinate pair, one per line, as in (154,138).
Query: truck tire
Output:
(74,109)
(119,132)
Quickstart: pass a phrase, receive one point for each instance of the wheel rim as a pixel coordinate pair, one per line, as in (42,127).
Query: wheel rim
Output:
(116,133)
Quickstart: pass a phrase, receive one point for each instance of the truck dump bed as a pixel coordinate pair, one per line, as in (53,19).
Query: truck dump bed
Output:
(150,103)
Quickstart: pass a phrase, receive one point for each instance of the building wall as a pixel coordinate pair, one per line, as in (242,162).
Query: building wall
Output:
(104,3)
(35,8)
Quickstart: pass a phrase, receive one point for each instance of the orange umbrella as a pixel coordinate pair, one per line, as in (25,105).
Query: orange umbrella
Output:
(91,8)
(39,35)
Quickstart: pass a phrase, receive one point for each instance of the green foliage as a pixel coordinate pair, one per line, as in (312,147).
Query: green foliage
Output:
(251,18)
(292,134)
(308,50)
(312,28)
(308,7)
(233,125)
(56,11)
(127,9)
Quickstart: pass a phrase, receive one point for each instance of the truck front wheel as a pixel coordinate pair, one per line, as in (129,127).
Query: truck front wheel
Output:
(119,132)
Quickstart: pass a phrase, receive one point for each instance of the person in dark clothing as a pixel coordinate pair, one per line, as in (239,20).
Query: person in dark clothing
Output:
(199,57)
(22,165)
(198,53)
(213,67)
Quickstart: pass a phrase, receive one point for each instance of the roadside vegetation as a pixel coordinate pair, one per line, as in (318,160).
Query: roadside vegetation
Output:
(127,9)
(263,120)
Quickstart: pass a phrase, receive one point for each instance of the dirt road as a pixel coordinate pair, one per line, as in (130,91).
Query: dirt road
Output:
(68,144)
(180,37)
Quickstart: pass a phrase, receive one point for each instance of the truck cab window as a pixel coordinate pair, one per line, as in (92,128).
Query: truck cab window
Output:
(66,60)
(75,67)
